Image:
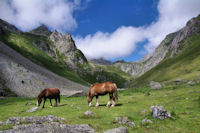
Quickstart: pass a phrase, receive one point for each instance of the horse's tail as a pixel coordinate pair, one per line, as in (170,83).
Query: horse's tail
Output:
(116,96)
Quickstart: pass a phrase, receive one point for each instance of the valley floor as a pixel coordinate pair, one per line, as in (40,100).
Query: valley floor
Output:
(183,104)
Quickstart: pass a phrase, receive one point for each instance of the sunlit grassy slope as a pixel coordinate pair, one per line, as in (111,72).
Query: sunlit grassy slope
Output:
(185,65)
(183,103)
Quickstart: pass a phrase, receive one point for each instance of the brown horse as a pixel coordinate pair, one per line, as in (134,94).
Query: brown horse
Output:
(102,89)
(51,93)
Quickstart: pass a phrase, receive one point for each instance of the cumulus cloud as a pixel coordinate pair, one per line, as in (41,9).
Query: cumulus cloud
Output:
(173,15)
(29,14)
(110,45)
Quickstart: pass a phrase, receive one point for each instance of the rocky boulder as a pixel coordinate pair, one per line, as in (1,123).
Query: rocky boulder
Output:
(43,124)
(89,113)
(146,122)
(41,30)
(117,130)
(159,112)
(125,121)
(155,85)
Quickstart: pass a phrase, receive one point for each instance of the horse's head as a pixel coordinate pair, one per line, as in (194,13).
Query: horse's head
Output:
(89,101)
(39,100)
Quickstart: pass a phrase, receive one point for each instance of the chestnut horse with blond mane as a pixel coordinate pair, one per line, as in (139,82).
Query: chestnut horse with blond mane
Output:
(50,93)
(99,89)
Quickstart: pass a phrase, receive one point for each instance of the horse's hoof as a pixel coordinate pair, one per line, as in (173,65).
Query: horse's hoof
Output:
(51,107)
(113,106)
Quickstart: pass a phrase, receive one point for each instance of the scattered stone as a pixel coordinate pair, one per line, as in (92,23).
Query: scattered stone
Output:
(191,82)
(178,81)
(72,105)
(90,113)
(2,123)
(146,121)
(159,112)
(187,86)
(78,107)
(33,109)
(155,85)
(124,120)
(53,127)
(117,130)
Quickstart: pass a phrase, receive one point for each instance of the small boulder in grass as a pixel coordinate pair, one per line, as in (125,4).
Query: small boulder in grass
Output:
(146,121)
(117,130)
(33,109)
(159,112)
(89,113)
(125,121)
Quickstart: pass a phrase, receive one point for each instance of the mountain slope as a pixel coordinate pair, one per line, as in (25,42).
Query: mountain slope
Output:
(182,60)
(26,78)
(169,46)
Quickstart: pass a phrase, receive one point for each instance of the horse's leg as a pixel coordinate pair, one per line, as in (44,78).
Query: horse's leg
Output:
(90,103)
(113,101)
(108,104)
(97,101)
(55,102)
(44,102)
(50,102)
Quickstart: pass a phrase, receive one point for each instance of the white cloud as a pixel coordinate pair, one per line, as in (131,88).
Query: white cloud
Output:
(173,15)
(119,43)
(29,14)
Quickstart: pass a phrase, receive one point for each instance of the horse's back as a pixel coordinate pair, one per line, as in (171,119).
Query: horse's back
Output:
(102,88)
(53,91)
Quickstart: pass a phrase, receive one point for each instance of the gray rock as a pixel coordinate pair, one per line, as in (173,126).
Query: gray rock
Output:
(41,30)
(155,85)
(32,119)
(117,130)
(125,121)
(53,127)
(78,107)
(33,109)
(146,121)
(159,112)
(89,113)
(191,83)
(2,123)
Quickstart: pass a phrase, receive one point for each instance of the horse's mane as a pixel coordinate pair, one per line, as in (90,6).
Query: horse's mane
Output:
(41,93)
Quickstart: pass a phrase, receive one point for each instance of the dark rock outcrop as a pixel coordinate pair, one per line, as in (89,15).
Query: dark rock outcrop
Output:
(42,31)
(6,26)
(102,61)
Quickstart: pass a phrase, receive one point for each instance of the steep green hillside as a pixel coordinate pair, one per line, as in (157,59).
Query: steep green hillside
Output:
(185,65)
(23,43)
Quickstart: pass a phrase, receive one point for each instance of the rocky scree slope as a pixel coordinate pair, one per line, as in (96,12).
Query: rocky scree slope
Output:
(170,46)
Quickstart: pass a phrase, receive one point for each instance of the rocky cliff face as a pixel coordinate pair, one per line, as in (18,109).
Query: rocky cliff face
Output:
(170,45)
(64,45)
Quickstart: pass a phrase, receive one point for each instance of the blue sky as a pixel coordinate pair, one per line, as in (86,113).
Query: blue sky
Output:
(112,29)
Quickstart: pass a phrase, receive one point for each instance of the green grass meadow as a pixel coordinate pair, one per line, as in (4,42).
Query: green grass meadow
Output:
(183,104)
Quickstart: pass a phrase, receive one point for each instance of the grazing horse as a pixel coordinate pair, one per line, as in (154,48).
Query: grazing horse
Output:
(102,89)
(51,93)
